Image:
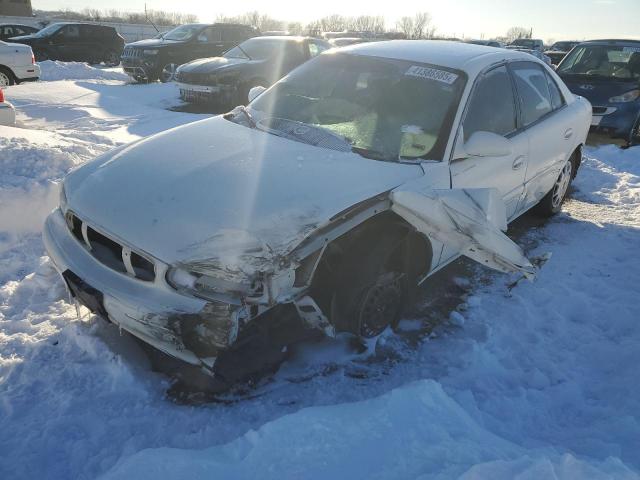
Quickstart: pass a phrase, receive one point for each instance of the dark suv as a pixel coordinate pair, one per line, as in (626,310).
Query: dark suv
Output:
(158,58)
(75,42)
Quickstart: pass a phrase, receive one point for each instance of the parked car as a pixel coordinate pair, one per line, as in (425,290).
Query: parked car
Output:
(7,111)
(17,64)
(322,204)
(536,53)
(153,59)
(75,42)
(607,73)
(487,43)
(259,61)
(529,43)
(559,50)
(8,30)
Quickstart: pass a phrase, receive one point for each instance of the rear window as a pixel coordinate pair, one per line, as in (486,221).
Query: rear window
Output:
(533,91)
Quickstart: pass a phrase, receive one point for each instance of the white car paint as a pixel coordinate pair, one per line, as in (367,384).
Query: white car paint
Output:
(17,59)
(238,204)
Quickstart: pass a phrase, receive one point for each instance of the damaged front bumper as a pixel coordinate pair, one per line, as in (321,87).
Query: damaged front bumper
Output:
(191,329)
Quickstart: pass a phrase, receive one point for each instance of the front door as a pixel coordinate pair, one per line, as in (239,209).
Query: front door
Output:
(209,43)
(492,108)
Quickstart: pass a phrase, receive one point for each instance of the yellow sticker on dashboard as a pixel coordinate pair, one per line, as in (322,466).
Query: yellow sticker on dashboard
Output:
(432,74)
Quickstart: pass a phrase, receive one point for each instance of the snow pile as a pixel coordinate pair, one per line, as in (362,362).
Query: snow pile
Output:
(535,382)
(52,70)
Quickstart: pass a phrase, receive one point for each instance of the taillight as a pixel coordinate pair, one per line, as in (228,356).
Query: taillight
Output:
(1,95)
(33,59)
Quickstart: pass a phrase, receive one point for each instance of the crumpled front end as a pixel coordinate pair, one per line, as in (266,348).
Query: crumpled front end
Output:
(192,329)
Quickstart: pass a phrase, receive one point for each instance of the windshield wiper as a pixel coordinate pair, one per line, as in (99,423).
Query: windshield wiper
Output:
(242,109)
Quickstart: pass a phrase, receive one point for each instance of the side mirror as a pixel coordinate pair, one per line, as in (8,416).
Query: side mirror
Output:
(254,92)
(487,144)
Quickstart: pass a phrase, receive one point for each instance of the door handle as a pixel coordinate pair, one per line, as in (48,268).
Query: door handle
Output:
(518,162)
(568,134)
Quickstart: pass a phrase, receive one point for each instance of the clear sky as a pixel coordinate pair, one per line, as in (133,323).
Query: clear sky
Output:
(550,19)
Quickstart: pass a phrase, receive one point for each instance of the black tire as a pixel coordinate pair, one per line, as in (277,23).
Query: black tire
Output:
(551,203)
(635,134)
(372,287)
(6,77)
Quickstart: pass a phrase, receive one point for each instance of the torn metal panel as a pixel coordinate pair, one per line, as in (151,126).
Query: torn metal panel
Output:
(472,220)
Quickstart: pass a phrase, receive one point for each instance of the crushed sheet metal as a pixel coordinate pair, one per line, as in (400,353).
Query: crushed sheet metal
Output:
(472,220)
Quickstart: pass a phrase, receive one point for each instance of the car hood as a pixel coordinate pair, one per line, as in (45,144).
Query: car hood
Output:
(215,191)
(597,90)
(154,43)
(213,64)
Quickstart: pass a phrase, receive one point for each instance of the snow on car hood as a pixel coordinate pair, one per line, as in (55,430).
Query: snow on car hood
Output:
(214,191)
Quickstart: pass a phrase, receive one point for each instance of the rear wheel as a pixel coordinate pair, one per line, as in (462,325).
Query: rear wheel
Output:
(168,72)
(551,203)
(6,77)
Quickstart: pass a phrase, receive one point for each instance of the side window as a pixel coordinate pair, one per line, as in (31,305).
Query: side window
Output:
(7,32)
(89,32)
(210,35)
(492,107)
(557,100)
(533,91)
(70,32)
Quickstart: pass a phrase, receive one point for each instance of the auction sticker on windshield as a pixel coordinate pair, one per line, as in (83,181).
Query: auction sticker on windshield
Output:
(432,74)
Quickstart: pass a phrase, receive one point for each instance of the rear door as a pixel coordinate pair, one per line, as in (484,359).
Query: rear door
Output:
(492,108)
(547,120)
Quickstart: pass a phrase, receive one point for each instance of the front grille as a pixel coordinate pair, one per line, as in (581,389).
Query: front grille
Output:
(196,78)
(109,252)
(130,52)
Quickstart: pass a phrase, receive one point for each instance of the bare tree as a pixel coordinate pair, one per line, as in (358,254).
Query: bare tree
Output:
(517,32)
(416,27)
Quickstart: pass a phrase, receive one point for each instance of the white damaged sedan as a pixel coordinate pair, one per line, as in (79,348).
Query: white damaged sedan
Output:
(332,195)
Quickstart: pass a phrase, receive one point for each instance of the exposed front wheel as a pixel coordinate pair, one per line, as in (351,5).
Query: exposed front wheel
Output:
(168,72)
(551,203)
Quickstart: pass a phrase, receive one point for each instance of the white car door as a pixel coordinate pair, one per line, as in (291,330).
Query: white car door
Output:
(492,108)
(547,121)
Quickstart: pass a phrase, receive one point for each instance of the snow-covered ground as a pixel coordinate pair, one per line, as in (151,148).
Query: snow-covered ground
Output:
(537,382)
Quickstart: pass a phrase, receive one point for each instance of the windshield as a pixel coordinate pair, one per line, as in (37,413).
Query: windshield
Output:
(606,61)
(49,30)
(257,48)
(383,108)
(183,32)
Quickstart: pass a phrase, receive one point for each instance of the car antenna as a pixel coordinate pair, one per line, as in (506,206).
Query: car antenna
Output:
(148,19)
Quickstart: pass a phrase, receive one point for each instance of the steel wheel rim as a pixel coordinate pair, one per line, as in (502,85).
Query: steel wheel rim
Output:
(562,185)
(168,72)
(4,80)
(381,303)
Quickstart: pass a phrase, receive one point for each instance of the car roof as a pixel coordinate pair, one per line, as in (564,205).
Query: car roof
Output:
(622,42)
(287,38)
(467,57)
